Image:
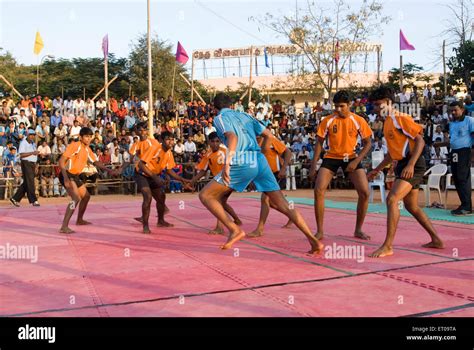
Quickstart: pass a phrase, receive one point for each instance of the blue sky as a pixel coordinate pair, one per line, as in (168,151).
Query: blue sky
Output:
(75,29)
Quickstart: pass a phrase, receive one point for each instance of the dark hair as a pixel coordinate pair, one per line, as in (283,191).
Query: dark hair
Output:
(381,93)
(222,101)
(213,135)
(457,104)
(342,96)
(166,134)
(86,131)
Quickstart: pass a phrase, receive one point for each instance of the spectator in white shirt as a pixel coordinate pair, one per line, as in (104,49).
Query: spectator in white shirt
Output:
(75,130)
(404,96)
(60,133)
(327,106)
(429,92)
(438,134)
(260,115)
(100,106)
(44,151)
(208,129)
(22,118)
(78,106)
(144,105)
(189,149)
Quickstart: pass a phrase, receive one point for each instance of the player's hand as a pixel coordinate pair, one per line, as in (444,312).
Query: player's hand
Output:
(407,172)
(226,174)
(282,173)
(372,174)
(352,166)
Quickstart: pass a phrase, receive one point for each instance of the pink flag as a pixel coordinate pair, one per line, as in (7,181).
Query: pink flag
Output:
(181,55)
(105,46)
(404,44)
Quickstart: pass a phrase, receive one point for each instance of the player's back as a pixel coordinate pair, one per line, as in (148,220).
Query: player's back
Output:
(245,127)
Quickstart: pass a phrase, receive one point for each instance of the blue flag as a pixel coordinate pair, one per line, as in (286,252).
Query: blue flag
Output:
(266,58)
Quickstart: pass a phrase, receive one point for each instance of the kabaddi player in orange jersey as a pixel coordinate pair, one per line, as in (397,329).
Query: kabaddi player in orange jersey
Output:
(341,130)
(405,144)
(273,152)
(214,161)
(77,155)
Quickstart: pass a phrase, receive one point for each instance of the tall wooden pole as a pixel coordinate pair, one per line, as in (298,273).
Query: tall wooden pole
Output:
(401,73)
(150,85)
(445,78)
(174,78)
(192,78)
(378,64)
(250,76)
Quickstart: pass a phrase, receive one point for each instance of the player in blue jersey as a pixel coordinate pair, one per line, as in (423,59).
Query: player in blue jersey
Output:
(244,163)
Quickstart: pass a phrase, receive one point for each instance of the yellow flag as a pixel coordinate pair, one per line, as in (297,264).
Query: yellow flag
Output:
(38,44)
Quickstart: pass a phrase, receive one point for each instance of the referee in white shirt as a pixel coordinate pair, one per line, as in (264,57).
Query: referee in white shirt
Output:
(29,157)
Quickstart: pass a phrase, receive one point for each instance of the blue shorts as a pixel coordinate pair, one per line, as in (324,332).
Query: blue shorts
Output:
(258,172)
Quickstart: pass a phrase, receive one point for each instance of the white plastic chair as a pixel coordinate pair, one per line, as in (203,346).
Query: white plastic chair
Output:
(434,182)
(449,186)
(472,178)
(379,182)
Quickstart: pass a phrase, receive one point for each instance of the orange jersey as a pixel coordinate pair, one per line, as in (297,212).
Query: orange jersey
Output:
(139,148)
(78,156)
(342,135)
(400,131)
(273,155)
(213,161)
(157,160)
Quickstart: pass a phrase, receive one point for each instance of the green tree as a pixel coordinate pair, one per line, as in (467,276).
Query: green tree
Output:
(462,63)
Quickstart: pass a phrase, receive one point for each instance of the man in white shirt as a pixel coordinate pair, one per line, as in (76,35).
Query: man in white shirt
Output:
(29,157)
(265,105)
(100,106)
(75,130)
(260,115)
(327,106)
(404,96)
(22,118)
(179,149)
(438,134)
(144,105)
(189,149)
(78,106)
(429,92)
(68,105)
(208,129)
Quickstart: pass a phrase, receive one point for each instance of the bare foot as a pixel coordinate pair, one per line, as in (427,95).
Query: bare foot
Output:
(146,230)
(83,222)
(316,246)
(381,252)
(238,222)
(255,233)
(233,238)
(435,243)
(362,235)
(319,235)
(216,231)
(164,224)
(66,230)
(288,224)
(140,220)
